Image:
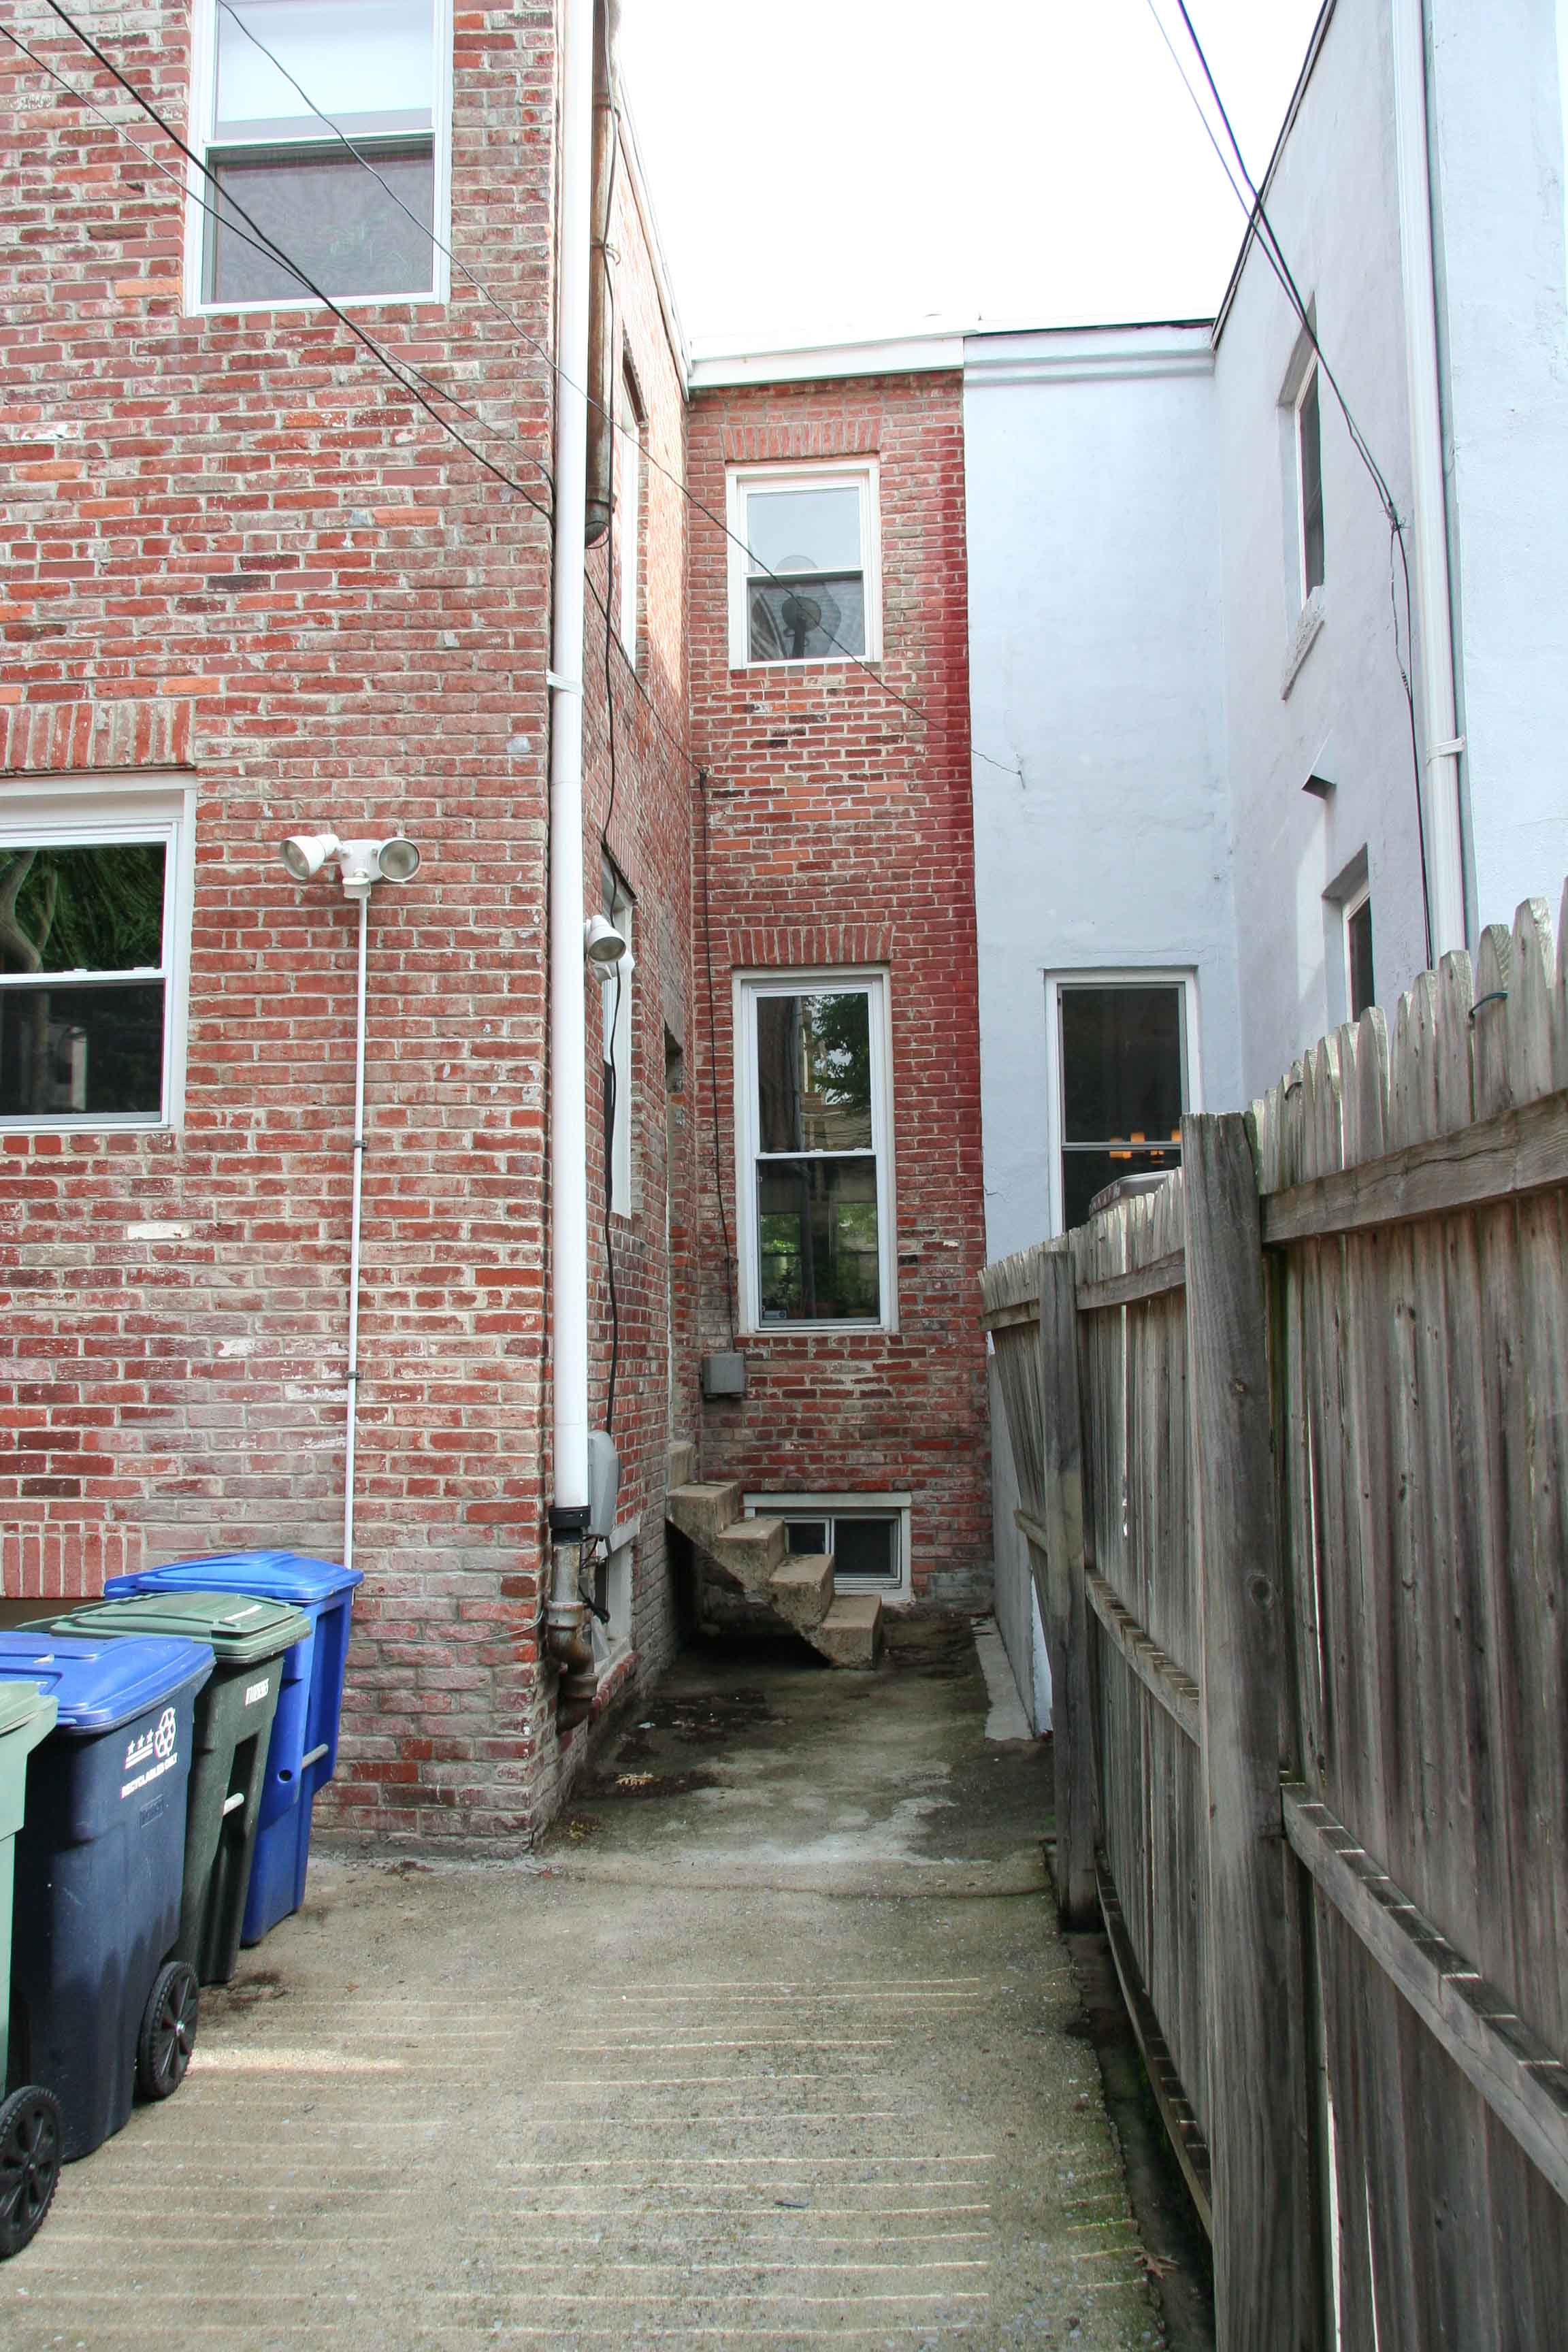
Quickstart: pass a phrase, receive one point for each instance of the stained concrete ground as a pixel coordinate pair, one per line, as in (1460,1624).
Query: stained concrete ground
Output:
(774,2046)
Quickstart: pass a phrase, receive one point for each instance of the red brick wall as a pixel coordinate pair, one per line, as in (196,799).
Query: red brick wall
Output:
(235,550)
(841,833)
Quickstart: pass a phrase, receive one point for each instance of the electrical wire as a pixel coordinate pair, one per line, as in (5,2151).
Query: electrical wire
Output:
(905,702)
(1259,224)
(268,243)
(269,251)
(363,159)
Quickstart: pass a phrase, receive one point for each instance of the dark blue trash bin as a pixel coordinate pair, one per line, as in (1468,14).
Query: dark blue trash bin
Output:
(304,1747)
(100,1863)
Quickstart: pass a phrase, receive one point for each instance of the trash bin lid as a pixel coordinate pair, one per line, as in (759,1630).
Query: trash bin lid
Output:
(19,1702)
(98,1685)
(241,1628)
(284,1575)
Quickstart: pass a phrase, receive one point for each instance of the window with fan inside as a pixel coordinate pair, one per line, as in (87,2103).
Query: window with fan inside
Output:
(803,581)
(323,124)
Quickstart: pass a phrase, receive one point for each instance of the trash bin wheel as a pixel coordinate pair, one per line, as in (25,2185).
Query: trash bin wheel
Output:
(168,2032)
(29,2164)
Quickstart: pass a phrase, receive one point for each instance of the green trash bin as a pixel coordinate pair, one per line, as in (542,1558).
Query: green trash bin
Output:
(30,2130)
(228,1767)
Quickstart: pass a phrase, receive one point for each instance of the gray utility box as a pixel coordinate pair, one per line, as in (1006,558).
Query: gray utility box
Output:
(724,1375)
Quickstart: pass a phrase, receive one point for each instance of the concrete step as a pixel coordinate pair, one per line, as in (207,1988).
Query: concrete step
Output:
(800,1588)
(749,1551)
(851,1632)
(703,1509)
(679,1463)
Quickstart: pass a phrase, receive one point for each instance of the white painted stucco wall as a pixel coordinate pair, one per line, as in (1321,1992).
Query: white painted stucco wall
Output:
(1095,669)
(1333,204)
(1498,73)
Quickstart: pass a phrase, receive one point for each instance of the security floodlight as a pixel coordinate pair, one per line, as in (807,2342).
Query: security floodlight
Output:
(305,853)
(602,944)
(397,859)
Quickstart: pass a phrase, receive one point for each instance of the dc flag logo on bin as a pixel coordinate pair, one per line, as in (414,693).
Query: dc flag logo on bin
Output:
(164,1738)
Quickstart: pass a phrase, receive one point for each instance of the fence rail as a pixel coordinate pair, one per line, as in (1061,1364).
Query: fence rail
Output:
(1291,1438)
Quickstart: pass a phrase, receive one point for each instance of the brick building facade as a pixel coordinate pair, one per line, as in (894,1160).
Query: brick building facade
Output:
(253,588)
(839,840)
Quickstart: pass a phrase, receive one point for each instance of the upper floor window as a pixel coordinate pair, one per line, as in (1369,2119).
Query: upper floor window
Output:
(92,942)
(276,82)
(1310,483)
(615,993)
(804,565)
(816,1189)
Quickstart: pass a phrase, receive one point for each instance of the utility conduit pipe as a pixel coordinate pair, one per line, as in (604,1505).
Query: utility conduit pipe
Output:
(568,1642)
(352,1374)
(1441,745)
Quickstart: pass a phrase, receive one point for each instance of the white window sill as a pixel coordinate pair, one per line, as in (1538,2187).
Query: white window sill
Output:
(1308,627)
(296,302)
(821,1328)
(87,1126)
(811,661)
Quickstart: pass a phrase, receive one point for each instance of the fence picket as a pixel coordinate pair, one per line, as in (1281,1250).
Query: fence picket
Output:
(1349,1526)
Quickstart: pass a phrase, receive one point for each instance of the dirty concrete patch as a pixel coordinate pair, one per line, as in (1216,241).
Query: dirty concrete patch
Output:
(630,2093)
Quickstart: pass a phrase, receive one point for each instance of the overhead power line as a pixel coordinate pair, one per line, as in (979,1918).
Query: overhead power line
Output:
(268,243)
(1399,588)
(890,693)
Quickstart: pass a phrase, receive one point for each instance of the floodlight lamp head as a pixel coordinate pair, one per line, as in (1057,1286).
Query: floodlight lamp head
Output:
(397,860)
(305,853)
(604,945)
(363,864)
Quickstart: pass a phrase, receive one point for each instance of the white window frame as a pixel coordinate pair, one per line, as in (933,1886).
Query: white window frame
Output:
(741,481)
(1348,908)
(200,192)
(65,811)
(616,1045)
(749,988)
(1121,976)
(897,1593)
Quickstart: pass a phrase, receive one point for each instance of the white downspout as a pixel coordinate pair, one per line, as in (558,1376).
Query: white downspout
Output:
(359,1141)
(1441,744)
(567,1634)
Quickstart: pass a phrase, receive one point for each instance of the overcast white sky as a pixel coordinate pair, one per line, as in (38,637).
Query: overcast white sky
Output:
(876,163)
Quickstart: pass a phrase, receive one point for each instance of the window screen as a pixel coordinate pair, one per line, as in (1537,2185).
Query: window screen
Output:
(806,583)
(359,227)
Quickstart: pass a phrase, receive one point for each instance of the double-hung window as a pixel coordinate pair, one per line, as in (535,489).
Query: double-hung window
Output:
(815,1176)
(615,993)
(1124,1064)
(804,565)
(92,942)
(276,82)
(626,533)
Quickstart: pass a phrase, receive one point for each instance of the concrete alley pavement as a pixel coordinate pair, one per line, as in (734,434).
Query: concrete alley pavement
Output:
(774,2046)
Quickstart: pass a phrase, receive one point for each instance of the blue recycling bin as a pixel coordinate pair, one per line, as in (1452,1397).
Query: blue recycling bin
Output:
(100,2010)
(303,1752)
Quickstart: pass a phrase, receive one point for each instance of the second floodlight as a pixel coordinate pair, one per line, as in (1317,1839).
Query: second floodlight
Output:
(602,943)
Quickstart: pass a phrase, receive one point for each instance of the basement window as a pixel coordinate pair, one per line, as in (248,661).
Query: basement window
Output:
(804,565)
(275,83)
(815,1189)
(868,1535)
(93,938)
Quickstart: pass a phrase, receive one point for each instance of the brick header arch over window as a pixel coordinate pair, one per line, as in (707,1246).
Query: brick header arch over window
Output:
(66,738)
(809,946)
(828,436)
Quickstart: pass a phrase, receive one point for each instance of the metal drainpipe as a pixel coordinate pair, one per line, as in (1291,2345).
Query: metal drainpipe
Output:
(350,1444)
(1442,746)
(568,1643)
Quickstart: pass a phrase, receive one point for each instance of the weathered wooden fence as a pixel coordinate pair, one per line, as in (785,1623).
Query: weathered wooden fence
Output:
(1291,1432)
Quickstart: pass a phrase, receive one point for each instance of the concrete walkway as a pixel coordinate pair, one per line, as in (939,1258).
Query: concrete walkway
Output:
(775,2046)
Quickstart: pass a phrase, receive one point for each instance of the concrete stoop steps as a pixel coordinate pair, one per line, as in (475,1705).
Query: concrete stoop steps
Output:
(754,1554)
